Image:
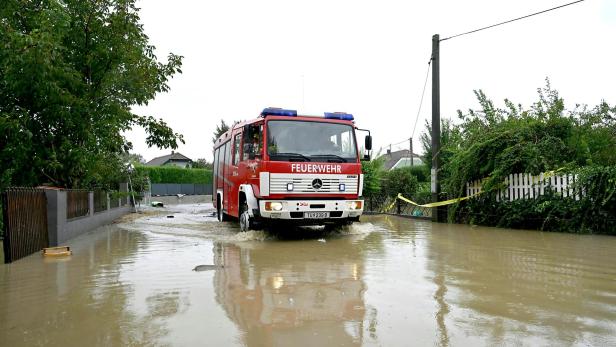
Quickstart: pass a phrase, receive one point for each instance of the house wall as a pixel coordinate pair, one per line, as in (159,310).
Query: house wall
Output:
(181,164)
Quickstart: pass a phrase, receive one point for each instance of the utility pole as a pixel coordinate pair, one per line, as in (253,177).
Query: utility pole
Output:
(436,126)
(411,148)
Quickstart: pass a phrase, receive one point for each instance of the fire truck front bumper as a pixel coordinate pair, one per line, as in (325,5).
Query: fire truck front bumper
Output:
(311,210)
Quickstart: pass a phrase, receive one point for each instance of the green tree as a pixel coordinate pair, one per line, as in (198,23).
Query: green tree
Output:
(70,71)
(201,163)
(133,158)
(220,129)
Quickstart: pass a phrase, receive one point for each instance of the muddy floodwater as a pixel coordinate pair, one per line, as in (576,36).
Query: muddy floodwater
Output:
(387,281)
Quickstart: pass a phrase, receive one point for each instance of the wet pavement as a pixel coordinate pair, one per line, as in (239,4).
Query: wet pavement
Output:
(387,281)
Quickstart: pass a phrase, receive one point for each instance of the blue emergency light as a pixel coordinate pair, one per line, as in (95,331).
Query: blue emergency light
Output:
(339,115)
(275,111)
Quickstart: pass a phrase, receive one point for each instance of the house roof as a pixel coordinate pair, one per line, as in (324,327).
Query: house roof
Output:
(174,156)
(391,159)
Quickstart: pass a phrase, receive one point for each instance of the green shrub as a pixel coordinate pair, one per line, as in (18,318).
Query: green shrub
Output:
(400,181)
(422,172)
(594,213)
(424,193)
(373,172)
(171,174)
(494,142)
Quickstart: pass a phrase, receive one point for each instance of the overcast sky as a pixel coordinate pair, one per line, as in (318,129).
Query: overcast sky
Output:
(368,58)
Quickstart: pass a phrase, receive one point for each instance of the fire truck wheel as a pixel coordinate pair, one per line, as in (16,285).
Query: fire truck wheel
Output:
(245,223)
(219,214)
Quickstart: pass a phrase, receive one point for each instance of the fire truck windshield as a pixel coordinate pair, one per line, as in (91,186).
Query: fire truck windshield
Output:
(291,140)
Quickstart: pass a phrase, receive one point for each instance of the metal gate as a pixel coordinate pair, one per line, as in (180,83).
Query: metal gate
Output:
(25,222)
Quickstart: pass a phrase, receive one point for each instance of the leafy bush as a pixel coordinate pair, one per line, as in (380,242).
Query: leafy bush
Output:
(594,213)
(422,172)
(373,172)
(494,142)
(171,174)
(400,181)
(424,193)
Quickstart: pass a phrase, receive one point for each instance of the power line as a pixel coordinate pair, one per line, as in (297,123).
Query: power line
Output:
(512,20)
(397,143)
(421,100)
(418,112)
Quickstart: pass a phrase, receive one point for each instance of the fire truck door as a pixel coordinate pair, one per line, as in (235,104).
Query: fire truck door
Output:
(234,178)
(227,176)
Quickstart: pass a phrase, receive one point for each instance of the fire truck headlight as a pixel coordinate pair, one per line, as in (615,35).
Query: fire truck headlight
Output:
(273,206)
(289,187)
(342,187)
(355,205)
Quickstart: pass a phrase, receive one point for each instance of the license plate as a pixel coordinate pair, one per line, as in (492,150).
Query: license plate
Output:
(316,215)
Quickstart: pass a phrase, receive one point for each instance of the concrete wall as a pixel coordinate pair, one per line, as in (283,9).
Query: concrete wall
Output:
(187,199)
(61,229)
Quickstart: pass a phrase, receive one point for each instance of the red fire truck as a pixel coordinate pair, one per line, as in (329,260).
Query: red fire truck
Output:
(285,168)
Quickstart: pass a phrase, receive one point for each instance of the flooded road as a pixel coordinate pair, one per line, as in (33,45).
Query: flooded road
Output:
(387,281)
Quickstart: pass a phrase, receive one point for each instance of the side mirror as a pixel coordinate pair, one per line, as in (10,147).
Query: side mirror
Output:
(368,143)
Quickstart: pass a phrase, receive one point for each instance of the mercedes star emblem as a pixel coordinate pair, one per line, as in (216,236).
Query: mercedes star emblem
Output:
(317,183)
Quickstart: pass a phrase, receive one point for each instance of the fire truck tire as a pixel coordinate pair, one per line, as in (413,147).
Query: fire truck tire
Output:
(222,217)
(245,221)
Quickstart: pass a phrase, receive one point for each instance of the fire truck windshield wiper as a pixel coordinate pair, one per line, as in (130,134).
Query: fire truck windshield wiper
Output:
(293,155)
(332,156)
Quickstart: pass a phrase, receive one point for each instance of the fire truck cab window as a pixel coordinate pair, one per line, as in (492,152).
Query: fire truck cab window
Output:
(310,141)
(253,138)
(221,159)
(236,149)
(216,156)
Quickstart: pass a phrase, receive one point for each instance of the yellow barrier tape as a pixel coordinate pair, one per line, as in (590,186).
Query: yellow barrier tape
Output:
(391,205)
(453,201)
(552,173)
(436,204)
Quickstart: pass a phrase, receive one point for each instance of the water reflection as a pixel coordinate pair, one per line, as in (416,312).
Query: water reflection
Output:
(293,293)
(78,300)
(507,287)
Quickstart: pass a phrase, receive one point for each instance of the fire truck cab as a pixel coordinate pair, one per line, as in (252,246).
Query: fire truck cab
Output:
(286,168)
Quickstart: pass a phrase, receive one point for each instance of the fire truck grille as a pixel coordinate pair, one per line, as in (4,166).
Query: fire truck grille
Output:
(305,184)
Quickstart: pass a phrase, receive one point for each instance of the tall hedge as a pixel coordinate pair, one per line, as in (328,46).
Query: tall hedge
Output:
(172,174)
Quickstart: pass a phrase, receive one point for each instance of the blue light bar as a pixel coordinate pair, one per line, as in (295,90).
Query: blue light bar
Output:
(339,115)
(275,111)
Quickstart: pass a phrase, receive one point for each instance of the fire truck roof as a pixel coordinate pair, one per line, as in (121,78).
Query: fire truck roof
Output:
(275,111)
(280,113)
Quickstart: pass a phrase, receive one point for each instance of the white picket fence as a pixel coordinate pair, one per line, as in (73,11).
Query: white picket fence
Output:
(527,186)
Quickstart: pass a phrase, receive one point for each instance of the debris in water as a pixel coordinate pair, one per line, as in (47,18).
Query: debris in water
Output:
(157,204)
(171,216)
(57,251)
(321,240)
(207,267)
